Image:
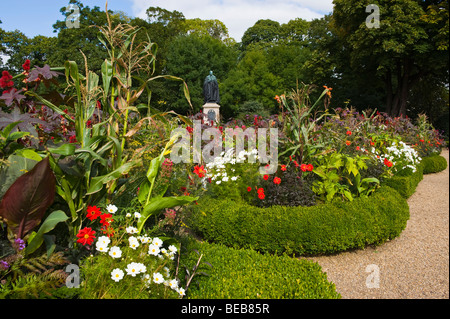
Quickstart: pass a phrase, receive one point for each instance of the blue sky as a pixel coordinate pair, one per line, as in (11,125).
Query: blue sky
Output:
(36,17)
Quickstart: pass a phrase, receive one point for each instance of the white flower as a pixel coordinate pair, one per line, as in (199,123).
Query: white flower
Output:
(225,179)
(218,182)
(234,178)
(173,249)
(115,252)
(158,278)
(167,270)
(134,243)
(157,242)
(116,274)
(173,284)
(128,215)
(100,246)
(131,230)
(111,209)
(145,239)
(104,240)
(180,291)
(153,250)
(137,215)
(133,269)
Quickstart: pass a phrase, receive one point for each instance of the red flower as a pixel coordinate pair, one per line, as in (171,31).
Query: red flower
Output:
(261,196)
(260,190)
(277,180)
(357,148)
(348,143)
(309,167)
(106,219)
(283,168)
(304,167)
(6,80)
(200,171)
(189,129)
(266,177)
(348,133)
(249,189)
(388,163)
(26,65)
(108,231)
(73,139)
(93,212)
(86,236)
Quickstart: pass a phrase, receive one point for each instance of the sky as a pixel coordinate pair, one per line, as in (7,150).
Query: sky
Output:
(36,17)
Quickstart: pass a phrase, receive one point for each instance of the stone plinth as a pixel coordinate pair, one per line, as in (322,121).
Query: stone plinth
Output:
(208,109)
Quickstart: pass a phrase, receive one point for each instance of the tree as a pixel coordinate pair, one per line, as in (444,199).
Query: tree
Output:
(251,80)
(408,45)
(191,57)
(266,32)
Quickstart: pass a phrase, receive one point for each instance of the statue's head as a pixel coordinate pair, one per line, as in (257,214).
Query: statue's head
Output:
(210,72)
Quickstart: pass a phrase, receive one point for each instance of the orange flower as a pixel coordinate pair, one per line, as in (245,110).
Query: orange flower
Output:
(348,143)
(328,90)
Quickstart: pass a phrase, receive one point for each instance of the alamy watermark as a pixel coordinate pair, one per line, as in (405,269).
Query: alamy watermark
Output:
(373,279)
(373,19)
(257,139)
(73,19)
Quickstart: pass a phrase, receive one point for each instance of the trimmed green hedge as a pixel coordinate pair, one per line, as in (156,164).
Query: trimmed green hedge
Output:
(406,185)
(323,229)
(246,274)
(434,164)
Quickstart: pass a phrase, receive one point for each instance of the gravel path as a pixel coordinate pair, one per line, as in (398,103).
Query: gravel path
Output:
(413,266)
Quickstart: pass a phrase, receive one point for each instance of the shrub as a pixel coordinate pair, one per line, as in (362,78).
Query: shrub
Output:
(406,185)
(434,164)
(246,274)
(322,229)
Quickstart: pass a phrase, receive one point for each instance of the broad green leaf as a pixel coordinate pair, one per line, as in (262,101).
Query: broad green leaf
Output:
(98,182)
(49,224)
(156,204)
(65,149)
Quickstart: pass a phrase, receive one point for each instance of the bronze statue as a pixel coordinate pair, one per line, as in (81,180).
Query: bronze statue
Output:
(211,89)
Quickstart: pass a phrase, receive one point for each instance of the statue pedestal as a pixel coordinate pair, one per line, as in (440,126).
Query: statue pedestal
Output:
(211,110)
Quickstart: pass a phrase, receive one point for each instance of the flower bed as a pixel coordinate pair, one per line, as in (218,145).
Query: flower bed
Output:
(322,229)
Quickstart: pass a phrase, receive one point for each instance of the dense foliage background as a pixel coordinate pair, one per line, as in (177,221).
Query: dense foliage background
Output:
(400,68)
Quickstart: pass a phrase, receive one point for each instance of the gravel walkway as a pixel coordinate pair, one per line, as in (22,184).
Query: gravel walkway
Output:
(413,266)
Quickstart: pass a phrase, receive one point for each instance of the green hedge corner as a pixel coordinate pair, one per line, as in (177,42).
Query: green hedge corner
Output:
(434,164)
(247,274)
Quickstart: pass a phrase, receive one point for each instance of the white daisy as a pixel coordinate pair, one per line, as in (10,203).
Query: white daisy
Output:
(181,292)
(104,240)
(158,278)
(116,274)
(133,269)
(157,242)
(173,284)
(131,230)
(101,247)
(111,208)
(137,215)
(153,250)
(134,243)
(115,252)
(173,249)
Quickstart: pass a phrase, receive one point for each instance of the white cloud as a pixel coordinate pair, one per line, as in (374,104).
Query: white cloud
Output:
(239,15)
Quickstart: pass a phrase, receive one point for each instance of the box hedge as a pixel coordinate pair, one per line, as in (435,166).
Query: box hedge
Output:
(322,229)
(406,185)
(434,164)
(247,274)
